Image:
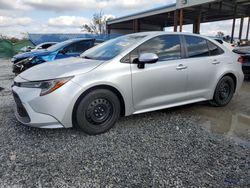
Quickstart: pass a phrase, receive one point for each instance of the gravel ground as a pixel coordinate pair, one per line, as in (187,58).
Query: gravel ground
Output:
(159,149)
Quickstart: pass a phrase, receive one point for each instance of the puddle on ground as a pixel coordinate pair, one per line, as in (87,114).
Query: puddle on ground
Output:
(232,121)
(232,125)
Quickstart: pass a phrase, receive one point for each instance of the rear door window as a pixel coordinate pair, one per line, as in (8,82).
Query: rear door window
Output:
(45,46)
(196,46)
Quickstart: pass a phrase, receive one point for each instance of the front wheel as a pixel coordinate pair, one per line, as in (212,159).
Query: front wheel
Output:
(224,92)
(98,111)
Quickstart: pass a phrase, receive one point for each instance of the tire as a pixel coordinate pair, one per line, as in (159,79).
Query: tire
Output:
(98,111)
(224,92)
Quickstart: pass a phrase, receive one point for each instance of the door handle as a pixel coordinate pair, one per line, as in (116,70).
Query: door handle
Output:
(181,67)
(215,62)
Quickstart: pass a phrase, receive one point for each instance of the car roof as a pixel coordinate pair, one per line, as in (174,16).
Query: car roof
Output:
(151,34)
(46,43)
(155,33)
(80,39)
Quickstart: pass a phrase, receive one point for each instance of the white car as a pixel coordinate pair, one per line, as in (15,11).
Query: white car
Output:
(128,75)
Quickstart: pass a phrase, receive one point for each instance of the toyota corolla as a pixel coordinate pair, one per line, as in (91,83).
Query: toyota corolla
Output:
(128,75)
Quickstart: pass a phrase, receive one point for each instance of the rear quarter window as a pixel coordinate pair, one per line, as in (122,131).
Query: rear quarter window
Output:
(214,49)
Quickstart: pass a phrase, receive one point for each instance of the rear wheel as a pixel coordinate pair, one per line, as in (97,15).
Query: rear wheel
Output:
(98,111)
(224,92)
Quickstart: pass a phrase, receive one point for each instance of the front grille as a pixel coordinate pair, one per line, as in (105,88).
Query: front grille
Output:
(20,108)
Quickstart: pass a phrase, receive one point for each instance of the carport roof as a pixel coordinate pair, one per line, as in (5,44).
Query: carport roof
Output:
(211,10)
(151,12)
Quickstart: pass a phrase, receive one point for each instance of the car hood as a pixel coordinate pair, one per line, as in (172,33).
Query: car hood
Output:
(60,68)
(32,54)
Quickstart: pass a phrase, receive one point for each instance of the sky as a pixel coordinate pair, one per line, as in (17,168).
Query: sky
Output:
(67,16)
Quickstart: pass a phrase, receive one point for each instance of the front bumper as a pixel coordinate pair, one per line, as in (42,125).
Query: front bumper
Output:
(17,68)
(27,116)
(50,111)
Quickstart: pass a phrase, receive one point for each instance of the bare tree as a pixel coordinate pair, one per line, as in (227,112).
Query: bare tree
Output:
(97,25)
(2,37)
(24,35)
(220,34)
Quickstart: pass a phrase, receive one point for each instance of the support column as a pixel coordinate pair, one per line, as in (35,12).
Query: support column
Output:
(248,26)
(136,26)
(181,19)
(241,28)
(196,25)
(233,26)
(176,19)
(108,29)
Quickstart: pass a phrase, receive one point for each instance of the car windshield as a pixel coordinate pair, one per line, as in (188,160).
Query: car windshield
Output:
(59,45)
(112,48)
(38,46)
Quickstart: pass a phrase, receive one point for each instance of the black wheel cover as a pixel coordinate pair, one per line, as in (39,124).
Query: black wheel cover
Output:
(99,111)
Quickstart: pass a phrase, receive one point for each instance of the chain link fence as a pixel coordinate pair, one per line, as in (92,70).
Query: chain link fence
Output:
(8,49)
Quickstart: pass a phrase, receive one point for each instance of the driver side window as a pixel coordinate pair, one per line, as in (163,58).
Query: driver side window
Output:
(167,47)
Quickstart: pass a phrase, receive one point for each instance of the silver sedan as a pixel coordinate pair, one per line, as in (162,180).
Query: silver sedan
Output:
(131,74)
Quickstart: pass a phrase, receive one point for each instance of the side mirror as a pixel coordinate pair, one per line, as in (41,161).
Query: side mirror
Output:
(147,58)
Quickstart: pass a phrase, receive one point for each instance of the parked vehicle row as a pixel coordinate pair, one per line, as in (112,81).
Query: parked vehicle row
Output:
(69,48)
(128,75)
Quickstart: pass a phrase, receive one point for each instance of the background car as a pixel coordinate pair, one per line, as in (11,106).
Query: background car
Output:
(41,46)
(26,49)
(69,48)
(44,45)
(245,54)
(226,44)
(128,75)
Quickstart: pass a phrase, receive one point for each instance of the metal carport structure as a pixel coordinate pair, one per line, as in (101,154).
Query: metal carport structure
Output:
(181,13)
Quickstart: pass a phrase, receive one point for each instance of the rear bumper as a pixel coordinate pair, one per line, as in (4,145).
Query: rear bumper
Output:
(246,68)
(246,64)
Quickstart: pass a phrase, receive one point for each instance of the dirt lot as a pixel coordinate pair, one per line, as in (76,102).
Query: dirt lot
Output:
(194,145)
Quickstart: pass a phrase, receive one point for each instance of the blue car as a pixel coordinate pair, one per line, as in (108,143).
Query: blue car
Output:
(68,48)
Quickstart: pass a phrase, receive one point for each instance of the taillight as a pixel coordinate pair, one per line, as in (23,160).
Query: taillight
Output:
(240,60)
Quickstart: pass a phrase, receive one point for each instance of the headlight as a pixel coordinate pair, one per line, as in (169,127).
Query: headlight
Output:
(30,58)
(48,57)
(46,86)
(13,59)
(26,60)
